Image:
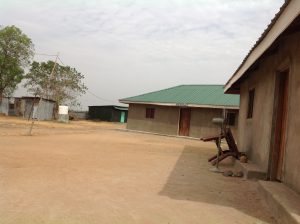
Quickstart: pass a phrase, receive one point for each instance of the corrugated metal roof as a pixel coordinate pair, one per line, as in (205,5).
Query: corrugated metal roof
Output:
(121,108)
(208,95)
(117,107)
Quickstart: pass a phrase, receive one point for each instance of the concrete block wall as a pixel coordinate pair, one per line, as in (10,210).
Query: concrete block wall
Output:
(166,120)
(255,135)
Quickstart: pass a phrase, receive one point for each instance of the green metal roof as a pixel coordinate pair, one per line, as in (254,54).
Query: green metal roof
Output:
(121,108)
(205,95)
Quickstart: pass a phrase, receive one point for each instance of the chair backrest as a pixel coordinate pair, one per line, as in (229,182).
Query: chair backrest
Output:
(230,141)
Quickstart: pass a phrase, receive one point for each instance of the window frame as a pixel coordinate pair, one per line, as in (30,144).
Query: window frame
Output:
(11,106)
(251,99)
(231,118)
(150,113)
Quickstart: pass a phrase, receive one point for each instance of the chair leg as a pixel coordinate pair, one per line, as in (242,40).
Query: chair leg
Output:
(223,156)
(215,156)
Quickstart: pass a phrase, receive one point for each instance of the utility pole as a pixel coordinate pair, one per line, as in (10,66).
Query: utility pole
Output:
(41,97)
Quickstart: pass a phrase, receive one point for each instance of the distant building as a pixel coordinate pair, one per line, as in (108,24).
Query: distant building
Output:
(27,107)
(5,105)
(109,113)
(185,110)
(42,111)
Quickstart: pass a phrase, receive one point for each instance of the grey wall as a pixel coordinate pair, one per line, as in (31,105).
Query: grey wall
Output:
(167,118)
(255,135)
(165,121)
(4,106)
(22,107)
(45,111)
(201,122)
(42,112)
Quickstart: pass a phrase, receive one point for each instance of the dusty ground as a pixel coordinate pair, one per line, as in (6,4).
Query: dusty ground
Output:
(91,173)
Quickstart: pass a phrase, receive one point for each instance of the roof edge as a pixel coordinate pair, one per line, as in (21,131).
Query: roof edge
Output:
(171,88)
(180,105)
(289,11)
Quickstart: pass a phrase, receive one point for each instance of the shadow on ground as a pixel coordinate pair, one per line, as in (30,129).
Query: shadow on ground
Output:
(191,180)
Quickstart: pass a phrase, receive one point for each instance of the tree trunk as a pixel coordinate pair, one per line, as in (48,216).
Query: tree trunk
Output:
(55,111)
(1,95)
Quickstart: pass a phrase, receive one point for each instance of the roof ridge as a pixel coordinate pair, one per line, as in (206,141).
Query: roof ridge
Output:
(202,94)
(173,88)
(152,92)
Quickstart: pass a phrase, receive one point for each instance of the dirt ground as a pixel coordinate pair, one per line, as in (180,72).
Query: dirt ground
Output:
(92,173)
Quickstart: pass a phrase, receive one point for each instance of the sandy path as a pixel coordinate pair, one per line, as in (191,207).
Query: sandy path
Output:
(90,173)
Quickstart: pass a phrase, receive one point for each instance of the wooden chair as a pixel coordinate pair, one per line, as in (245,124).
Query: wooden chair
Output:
(232,151)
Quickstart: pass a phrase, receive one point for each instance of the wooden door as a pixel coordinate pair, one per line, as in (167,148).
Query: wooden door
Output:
(184,121)
(281,125)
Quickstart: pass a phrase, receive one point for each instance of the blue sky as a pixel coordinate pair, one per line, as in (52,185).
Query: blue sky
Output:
(130,47)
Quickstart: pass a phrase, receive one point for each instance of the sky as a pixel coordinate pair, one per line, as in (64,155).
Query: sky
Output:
(130,47)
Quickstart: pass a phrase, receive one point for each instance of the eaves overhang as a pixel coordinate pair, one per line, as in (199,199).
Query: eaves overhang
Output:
(182,105)
(283,19)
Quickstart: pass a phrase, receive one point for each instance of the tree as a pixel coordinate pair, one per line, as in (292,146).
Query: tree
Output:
(63,86)
(16,52)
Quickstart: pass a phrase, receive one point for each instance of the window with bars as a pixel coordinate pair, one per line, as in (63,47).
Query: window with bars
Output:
(150,112)
(231,118)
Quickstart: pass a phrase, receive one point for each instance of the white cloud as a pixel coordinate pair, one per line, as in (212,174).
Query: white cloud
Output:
(128,47)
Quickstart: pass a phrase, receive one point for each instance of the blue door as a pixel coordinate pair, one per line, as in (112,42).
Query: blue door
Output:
(122,119)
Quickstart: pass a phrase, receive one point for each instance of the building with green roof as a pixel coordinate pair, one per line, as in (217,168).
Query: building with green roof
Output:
(110,113)
(185,110)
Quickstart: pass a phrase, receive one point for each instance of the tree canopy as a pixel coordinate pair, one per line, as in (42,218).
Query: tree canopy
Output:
(63,86)
(16,52)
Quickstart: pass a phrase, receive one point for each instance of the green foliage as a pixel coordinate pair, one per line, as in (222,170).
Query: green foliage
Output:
(63,86)
(16,51)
